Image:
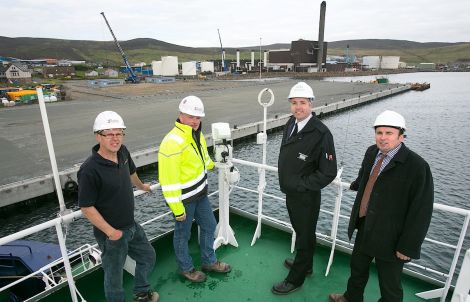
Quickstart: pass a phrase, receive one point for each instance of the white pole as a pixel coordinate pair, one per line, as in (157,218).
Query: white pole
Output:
(260,66)
(50,147)
(224,233)
(262,171)
(463,231)
(68,269)
(335,219)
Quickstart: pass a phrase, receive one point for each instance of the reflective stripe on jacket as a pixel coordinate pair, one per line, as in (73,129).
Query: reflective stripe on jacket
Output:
(182,167)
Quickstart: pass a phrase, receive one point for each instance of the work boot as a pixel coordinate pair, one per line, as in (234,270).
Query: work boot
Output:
(194,276)
(337,298)
(289,262)
(284,288)
(218,267)
(149,296)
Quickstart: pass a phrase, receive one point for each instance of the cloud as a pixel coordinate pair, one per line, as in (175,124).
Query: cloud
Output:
(242,23)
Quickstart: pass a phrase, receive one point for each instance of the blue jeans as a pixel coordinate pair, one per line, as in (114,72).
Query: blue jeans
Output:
(201,211)
(135,244)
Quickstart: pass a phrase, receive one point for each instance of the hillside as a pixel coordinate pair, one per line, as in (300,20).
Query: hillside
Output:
(146,50)
(409,51)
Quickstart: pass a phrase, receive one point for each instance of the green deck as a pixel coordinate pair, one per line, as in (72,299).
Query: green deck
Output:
(255,269)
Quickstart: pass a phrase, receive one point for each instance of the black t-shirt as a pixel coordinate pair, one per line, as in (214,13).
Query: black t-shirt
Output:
(107,186)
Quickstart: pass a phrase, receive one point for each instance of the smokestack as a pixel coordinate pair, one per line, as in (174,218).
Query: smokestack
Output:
(321,35)
(238,58)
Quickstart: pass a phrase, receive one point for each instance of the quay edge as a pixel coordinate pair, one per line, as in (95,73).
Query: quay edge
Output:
(27,189)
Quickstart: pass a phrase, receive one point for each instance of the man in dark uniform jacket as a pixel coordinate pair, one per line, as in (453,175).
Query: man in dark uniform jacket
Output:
(307,163)
(392,211)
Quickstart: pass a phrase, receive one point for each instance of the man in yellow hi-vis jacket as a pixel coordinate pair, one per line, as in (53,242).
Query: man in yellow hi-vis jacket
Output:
(183,161)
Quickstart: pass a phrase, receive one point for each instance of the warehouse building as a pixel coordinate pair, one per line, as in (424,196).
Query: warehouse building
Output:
(302,56)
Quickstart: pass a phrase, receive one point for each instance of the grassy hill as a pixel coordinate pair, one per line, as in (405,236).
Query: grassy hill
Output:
(409,51)
(147,50)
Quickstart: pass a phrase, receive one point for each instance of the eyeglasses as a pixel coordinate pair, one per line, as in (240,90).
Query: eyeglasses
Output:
(112,135)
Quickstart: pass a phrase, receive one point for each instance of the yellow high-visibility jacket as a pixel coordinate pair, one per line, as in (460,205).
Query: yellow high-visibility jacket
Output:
(182,167)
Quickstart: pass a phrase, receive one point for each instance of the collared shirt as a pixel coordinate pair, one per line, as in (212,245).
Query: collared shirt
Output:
(387,159)
(107,186)
(301,125)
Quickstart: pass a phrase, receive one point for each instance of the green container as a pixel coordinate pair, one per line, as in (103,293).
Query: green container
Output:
(382,80)
(28,98)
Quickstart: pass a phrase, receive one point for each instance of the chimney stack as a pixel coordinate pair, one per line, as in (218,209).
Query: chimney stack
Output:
(321,35)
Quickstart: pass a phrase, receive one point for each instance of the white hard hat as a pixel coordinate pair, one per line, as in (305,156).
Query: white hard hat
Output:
(391,119)
(192,105)
(108,120)
(301,90)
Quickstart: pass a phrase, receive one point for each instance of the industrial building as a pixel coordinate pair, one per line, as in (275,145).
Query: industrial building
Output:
(302,56)
(380,62)
(137,69)
(427,66)
(58,71)
(168,66)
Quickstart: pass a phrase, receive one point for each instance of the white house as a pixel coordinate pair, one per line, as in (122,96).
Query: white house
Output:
(91,74)
(18,73)
(111,73)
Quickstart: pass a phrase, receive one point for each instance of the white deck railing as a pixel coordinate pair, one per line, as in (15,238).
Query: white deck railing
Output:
(83,254)
(76,262)
(332,237)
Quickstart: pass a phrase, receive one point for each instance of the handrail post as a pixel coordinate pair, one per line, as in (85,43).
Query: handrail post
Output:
(463,231)
(65,256)
(262,138)
(224,232)
(335,219)
(442,292)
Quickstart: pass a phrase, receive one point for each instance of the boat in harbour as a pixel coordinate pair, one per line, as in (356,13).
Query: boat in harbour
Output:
(420,86)
(30,267)
(256,245)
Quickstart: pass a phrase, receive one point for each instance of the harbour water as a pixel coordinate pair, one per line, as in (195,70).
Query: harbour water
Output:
(436,129)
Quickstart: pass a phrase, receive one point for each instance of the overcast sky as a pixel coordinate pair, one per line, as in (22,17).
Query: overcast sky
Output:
(194,23)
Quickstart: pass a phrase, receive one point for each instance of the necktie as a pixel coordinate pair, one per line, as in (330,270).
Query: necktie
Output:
(369,186)
(294,132)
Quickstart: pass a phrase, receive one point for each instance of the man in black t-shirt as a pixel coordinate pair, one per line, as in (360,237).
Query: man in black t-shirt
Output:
(106,198)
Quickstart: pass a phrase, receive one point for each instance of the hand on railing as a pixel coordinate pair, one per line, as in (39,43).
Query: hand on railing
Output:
(153,189)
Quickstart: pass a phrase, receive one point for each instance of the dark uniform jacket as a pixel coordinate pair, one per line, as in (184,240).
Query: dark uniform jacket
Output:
(400,205)
(307,160)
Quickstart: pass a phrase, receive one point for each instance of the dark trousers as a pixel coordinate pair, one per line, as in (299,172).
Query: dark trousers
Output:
(303,209)
(134,243)
(389,273)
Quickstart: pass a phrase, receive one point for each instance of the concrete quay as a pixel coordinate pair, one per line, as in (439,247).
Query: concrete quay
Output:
(25,165)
